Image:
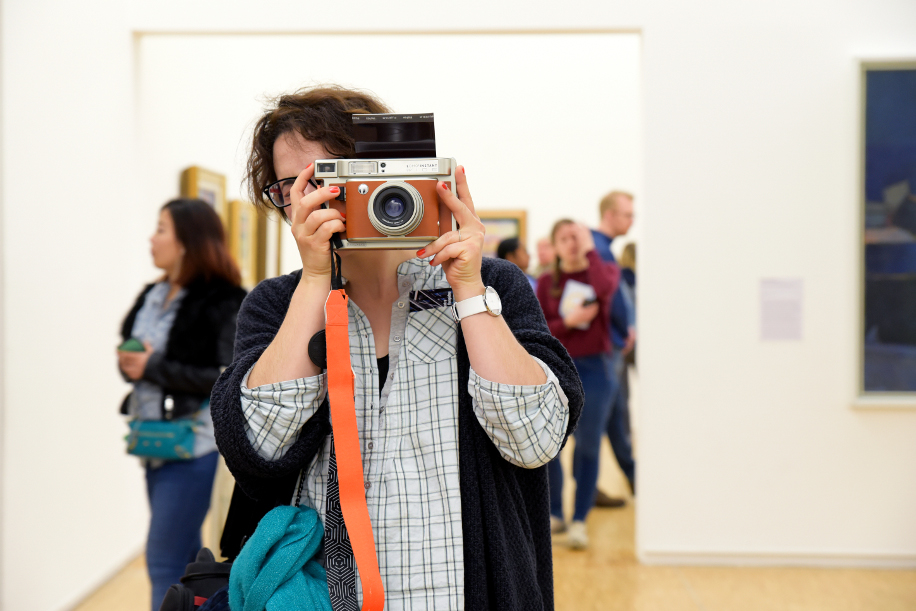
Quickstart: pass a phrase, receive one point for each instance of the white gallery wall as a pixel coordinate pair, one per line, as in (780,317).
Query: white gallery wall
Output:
(509,117)
(747,169)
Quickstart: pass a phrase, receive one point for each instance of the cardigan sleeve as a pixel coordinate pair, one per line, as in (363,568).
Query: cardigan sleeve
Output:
(523,314)
(259,319)
(602,275)
(127,327)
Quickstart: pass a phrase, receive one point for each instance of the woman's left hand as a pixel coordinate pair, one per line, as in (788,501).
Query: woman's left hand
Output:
(133,364)
(459,252)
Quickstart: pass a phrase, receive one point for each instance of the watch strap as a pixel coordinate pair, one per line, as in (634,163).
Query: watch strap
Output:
(468,307)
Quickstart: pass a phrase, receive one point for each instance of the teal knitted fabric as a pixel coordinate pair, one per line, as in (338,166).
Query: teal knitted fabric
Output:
(275,570)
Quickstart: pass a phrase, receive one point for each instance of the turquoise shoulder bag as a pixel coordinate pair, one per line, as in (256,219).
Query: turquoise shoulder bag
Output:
(163,439)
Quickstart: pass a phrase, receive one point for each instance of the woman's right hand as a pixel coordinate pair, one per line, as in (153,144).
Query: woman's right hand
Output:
(312,226)
(585,238)
(581,315)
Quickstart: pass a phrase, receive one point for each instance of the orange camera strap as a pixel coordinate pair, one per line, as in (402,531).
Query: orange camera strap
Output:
(346,445)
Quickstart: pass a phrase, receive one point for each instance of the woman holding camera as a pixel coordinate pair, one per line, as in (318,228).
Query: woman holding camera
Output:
(582,326)
(179,335)
(456,420)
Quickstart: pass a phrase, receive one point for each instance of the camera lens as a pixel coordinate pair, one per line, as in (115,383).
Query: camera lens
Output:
(395,209)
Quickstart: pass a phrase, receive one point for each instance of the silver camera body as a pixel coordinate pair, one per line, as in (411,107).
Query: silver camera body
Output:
(389,203)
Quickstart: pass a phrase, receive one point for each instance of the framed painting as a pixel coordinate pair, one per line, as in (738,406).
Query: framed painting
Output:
(502,224)
(208,186)
(888,216)
(247,241)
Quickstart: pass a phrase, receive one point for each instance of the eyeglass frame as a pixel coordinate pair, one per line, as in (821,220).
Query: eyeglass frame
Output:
(266,190)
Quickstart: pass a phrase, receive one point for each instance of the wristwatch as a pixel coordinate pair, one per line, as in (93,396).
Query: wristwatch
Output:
(488,302)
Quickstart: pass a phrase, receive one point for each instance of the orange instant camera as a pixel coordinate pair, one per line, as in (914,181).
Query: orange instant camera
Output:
(388,192)
(389,203)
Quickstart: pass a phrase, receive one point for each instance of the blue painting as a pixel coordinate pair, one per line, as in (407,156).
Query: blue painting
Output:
(890,230)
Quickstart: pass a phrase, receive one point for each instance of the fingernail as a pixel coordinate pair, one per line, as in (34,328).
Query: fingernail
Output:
(445,186)
(463,171)
(420,252)
(335,190)
(343,214)
(308,166)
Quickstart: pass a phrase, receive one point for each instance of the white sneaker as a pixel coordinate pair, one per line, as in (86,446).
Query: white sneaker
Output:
(578,535)
(557,526)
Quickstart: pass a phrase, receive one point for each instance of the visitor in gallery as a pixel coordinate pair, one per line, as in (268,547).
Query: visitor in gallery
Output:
(458,414)
(177,339)
(513,251)
(546,256)
(627,264)
(576,298)
(616,212)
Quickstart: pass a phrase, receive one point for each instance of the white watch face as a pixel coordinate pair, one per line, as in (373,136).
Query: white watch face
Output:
(492,301)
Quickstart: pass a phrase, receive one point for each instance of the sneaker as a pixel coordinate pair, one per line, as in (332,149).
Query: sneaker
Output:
(610,502)
(557,526)
(578,535)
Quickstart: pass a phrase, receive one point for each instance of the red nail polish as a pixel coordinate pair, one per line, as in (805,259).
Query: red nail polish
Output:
(335,190)
(463,171)
(445,186)
(421,252)
(343,214)
(308,166)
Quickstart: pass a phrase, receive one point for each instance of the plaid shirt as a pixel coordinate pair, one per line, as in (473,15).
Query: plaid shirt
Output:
(409,438)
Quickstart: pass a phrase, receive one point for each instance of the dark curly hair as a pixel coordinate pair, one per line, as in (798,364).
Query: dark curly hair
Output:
(320,114)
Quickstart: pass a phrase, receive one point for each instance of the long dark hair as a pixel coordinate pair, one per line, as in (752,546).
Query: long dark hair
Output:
(206,257)
(555,269)
(321,114)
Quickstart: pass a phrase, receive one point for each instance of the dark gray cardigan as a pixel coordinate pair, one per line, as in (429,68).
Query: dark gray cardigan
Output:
(504,509)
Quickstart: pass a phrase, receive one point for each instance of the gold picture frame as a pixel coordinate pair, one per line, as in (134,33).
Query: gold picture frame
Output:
(500,225)
(210,186)
(247,232)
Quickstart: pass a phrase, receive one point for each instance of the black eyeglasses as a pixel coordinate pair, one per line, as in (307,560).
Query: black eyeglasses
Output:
(278,192)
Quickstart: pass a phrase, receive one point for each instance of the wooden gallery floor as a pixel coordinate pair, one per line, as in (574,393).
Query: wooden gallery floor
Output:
(607,577)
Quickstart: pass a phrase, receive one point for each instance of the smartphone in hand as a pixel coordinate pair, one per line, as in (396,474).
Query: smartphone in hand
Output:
(132,345)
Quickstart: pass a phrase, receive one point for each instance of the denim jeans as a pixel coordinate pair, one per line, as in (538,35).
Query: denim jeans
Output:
(179,497)
(597,381)
(618,424)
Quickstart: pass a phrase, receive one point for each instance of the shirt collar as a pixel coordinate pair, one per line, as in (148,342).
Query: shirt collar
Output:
(417,274)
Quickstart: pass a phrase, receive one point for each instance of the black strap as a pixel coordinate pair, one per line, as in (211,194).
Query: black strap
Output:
(336,275)
(341,564)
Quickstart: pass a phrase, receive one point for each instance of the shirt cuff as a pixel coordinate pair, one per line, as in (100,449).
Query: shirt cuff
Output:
(275,413)
(526,423)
